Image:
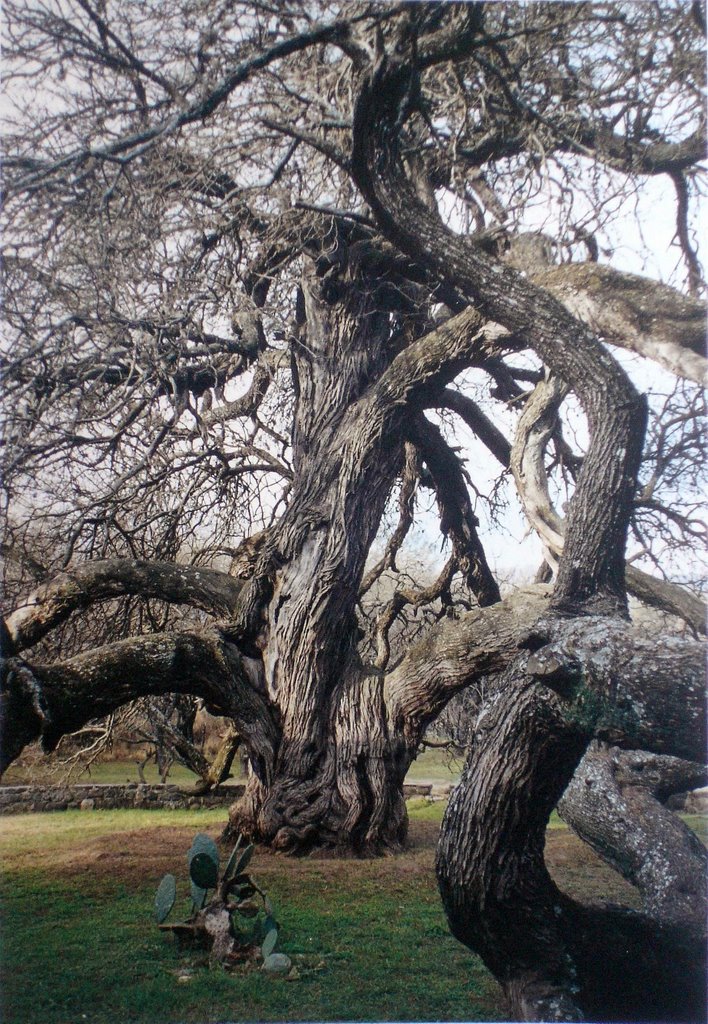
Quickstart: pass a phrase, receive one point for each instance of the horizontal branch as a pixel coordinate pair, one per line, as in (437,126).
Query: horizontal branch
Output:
(633,312)
(617,685)
(53,602)
(458,653)
(638,693)
(48,701)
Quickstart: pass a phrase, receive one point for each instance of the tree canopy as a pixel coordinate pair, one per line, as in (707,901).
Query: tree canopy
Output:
(281,280)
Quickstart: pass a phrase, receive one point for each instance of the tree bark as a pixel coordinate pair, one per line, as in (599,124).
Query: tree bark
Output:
(78,588)
(613,803)
(336,776)
(47,701)
(352,799)
(555,959)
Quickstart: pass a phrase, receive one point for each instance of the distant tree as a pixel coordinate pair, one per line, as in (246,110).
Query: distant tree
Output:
(261,262)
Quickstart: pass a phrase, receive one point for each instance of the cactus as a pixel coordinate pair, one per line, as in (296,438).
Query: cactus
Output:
(198,895)
(165,898)
(248,908)
(277,963)
(269,942)
(243,860)
(229,870)
(203,871)
(241,886)
(203,844)
(251,915)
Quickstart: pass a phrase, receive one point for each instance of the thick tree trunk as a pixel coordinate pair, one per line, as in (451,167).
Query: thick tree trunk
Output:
(351,799)
(333,779)
(556,959)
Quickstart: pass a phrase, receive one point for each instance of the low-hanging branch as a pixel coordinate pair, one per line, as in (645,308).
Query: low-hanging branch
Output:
(52,603)
(48,701)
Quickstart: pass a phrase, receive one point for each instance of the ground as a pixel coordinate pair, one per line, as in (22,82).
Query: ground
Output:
(368,937)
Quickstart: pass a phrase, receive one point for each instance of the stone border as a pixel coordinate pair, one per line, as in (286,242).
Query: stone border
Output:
(107,796)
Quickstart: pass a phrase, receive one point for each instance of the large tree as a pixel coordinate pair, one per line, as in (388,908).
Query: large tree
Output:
(262,262)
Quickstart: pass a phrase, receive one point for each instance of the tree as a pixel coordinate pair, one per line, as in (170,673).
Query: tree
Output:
(234,295)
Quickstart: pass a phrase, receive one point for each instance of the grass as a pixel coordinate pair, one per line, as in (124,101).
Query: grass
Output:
(79,944)
(369,938)
(432,765)
(435,765)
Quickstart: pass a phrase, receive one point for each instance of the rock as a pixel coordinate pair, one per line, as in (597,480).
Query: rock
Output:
(696,802)
(277,963)
(87,805)
(441,791)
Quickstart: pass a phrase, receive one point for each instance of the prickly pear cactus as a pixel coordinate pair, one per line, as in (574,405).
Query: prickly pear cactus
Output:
(230,869)
(203,871)
(165,898)
(238,921)
(277,963)
(203,844)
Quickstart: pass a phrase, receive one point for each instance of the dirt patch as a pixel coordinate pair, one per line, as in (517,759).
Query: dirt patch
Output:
(136,856)
(581,874)
(142,855)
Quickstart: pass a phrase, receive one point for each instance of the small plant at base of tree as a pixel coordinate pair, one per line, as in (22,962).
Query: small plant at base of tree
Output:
(237,923)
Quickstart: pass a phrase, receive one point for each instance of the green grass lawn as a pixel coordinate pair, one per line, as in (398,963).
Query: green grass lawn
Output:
(435,765)
(369,938)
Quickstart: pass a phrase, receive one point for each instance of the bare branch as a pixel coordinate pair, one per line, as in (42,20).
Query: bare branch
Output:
(79,588)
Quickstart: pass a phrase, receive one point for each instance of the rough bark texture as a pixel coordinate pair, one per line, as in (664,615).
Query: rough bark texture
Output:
(644,316)
(336,776)
(52,603)
(658,853)
(556,959)
(330,739)
(47,701)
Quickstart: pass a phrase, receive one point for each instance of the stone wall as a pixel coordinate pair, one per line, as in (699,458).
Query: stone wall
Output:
(104,797)
(96,796)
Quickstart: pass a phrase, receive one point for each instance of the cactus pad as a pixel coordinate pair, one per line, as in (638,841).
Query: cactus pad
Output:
(230,869)
(165,898)
(203,844)
(243,860)
(203,871)
(198,895)
(269,942)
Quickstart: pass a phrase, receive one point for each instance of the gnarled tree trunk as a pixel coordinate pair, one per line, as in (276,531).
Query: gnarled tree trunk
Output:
(335,776)
(555,958)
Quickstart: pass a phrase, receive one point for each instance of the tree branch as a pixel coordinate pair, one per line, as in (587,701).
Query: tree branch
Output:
(52,603)
(634,312)
(534,429)
(591,575)
(129,146)
(48,701)
(457,520)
